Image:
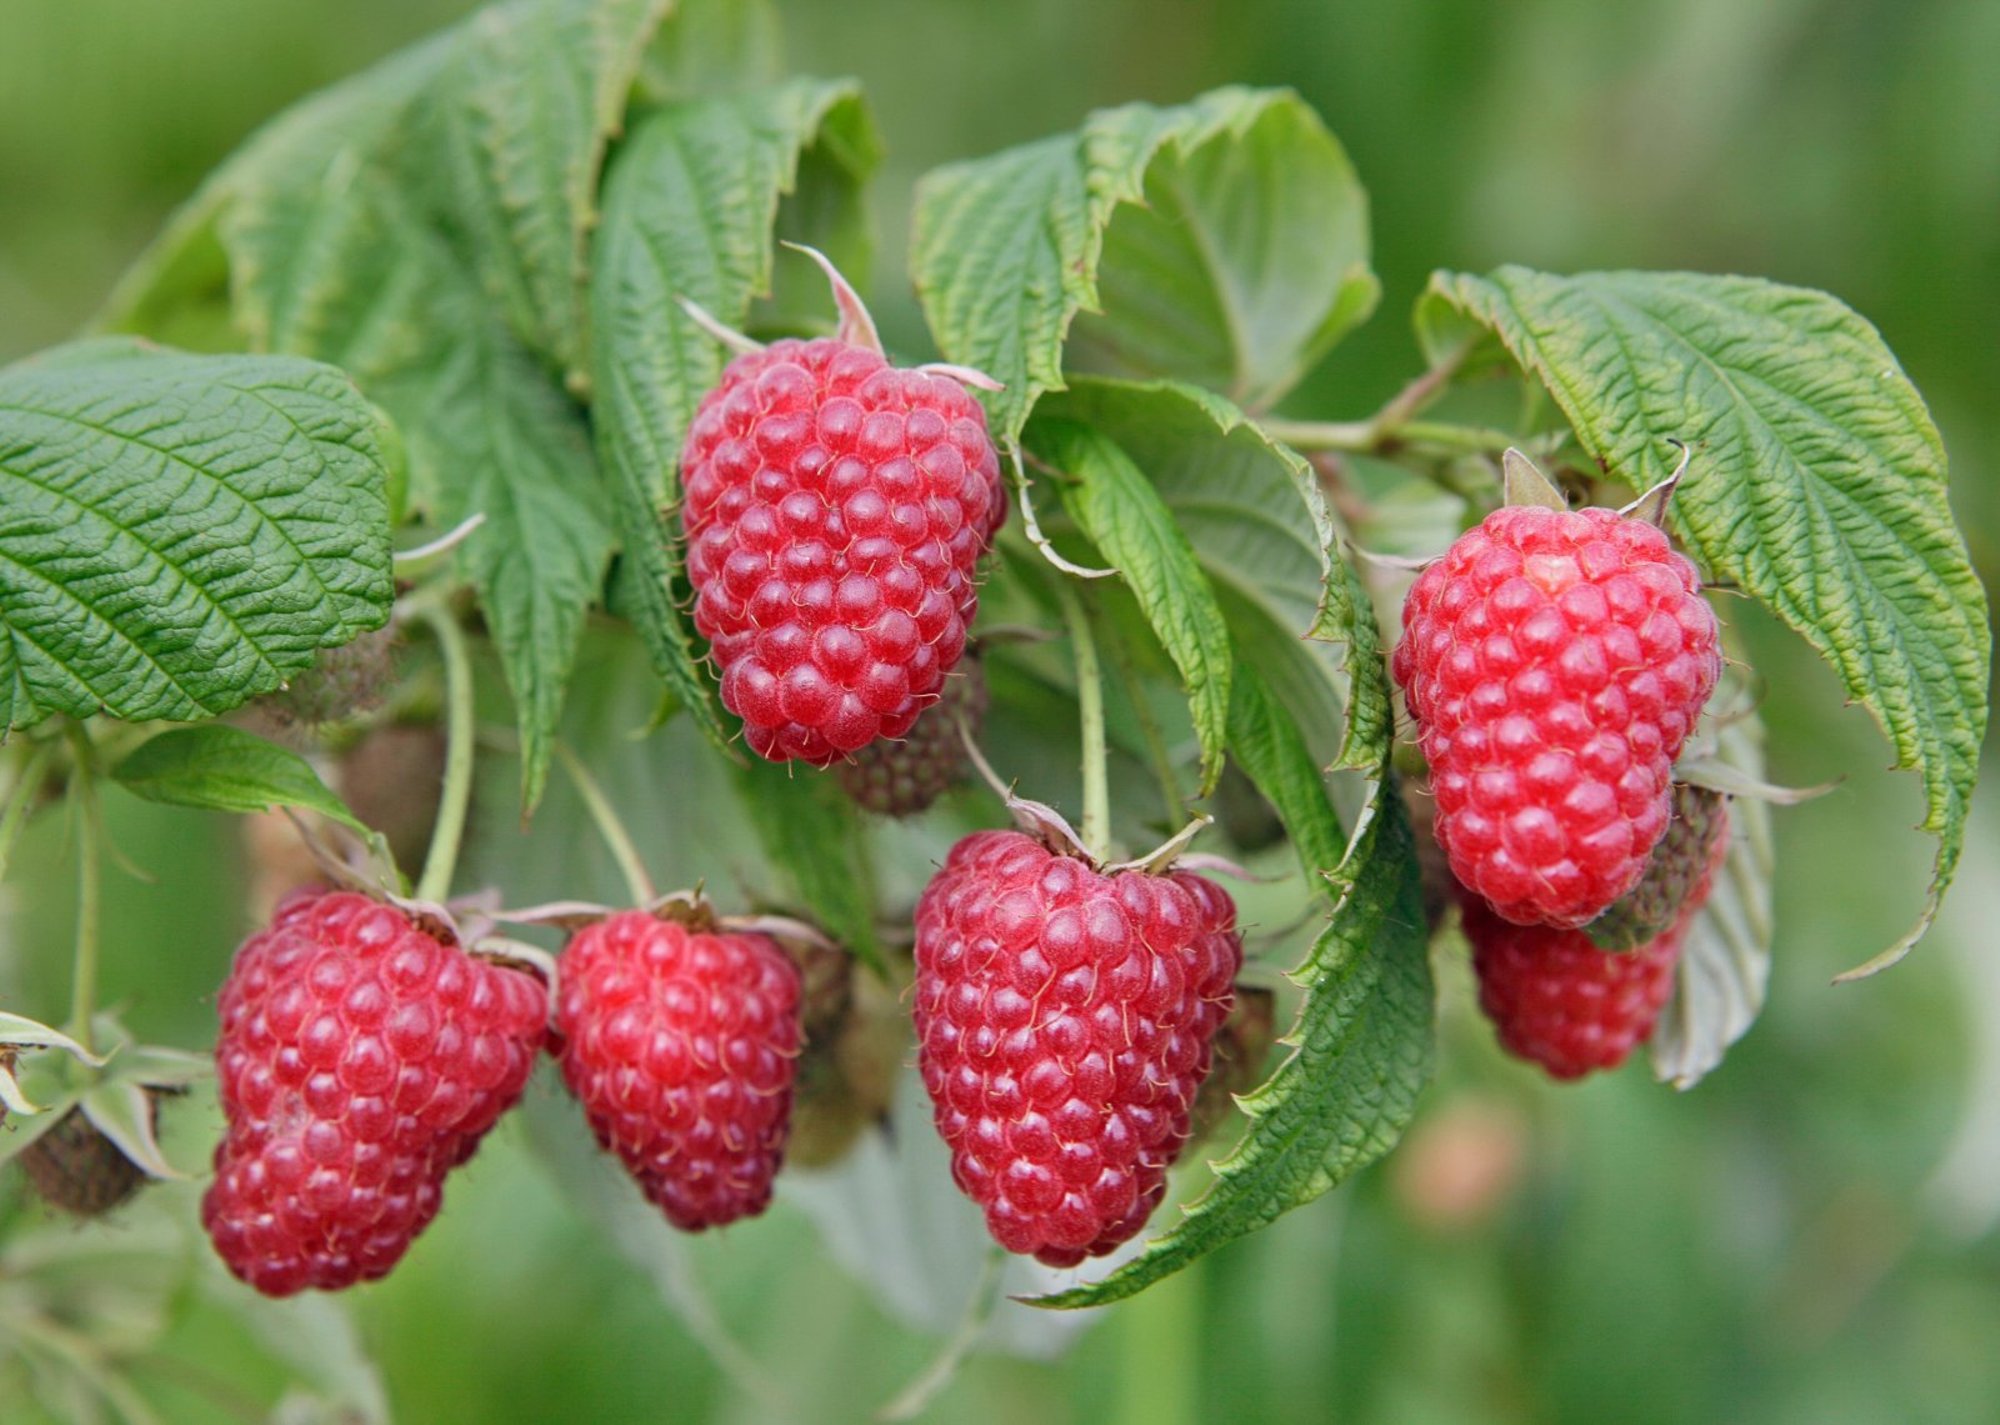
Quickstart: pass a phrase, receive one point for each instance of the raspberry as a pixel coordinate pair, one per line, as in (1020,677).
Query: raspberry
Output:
(1555,662)
(362,1058)
(74,1167)
(1696,841)
(902,778)
(1559,1001)
(680,1043)
(1064,1021)
(835,508)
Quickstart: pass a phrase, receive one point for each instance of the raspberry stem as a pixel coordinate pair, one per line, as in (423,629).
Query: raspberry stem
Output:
(1096,827)
(916,1397)
(442,862)
(21,799)
(89,883)
(610,826)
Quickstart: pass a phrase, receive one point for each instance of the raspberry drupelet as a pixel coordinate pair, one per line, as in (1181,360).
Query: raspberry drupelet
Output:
(1555,662)
(835,508)
(1065,1020)
(362,1057)
(680,1043)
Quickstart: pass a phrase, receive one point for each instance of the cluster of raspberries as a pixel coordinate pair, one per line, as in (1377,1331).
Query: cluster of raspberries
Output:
(1555,662)
(365,1053)
(1067,1012)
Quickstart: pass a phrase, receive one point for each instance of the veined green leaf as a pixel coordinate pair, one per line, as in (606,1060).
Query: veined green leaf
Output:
(813,835)
(1254,513)
(1362,1046)
(222,768)
(689,209)
(1818,483)
(516,126)
(1222,241)
(180,533)
(1114,504)
(425,224)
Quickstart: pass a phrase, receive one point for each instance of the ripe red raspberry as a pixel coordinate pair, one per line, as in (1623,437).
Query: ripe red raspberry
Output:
(892,778)
(680,1044)
(1559,1000)
(1555,662)
(1696,841)
(1064,1022)
(835,508)
(362,1058)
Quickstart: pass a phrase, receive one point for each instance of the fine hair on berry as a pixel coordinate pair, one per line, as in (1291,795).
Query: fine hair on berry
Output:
(835,509)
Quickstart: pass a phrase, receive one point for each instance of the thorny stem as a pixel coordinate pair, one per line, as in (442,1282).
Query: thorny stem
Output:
(21,800)
(609,825)
(89,885)
(1096,827)
(460,733)
(919,1393)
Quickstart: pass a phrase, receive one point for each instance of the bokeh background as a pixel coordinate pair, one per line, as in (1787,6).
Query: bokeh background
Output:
(1808,1236)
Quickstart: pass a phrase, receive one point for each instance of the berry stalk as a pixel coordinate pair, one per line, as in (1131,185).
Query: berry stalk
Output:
(610,826)
(89,886)
(449,832)
(1096,827)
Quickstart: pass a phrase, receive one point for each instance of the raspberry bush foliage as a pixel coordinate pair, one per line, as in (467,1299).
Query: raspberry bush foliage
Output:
(530,345)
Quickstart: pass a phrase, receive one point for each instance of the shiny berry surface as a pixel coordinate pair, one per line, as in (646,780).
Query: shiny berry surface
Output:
(835,510)
(680,1045)
(361,1059)
(901,777)
(1555,662)
(1065,1021)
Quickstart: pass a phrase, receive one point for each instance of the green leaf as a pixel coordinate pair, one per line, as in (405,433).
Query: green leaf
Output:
(1123,515)
(424,224)
(221,768)
(180,533)
(1362,1046)
(1818,484)
(123,1112)
(490,435)
(1222,241)
(520,118)
(1253,511)
(689,208)
(813,836)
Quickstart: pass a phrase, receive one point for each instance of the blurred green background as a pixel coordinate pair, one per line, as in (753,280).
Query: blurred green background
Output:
(1807,1237)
